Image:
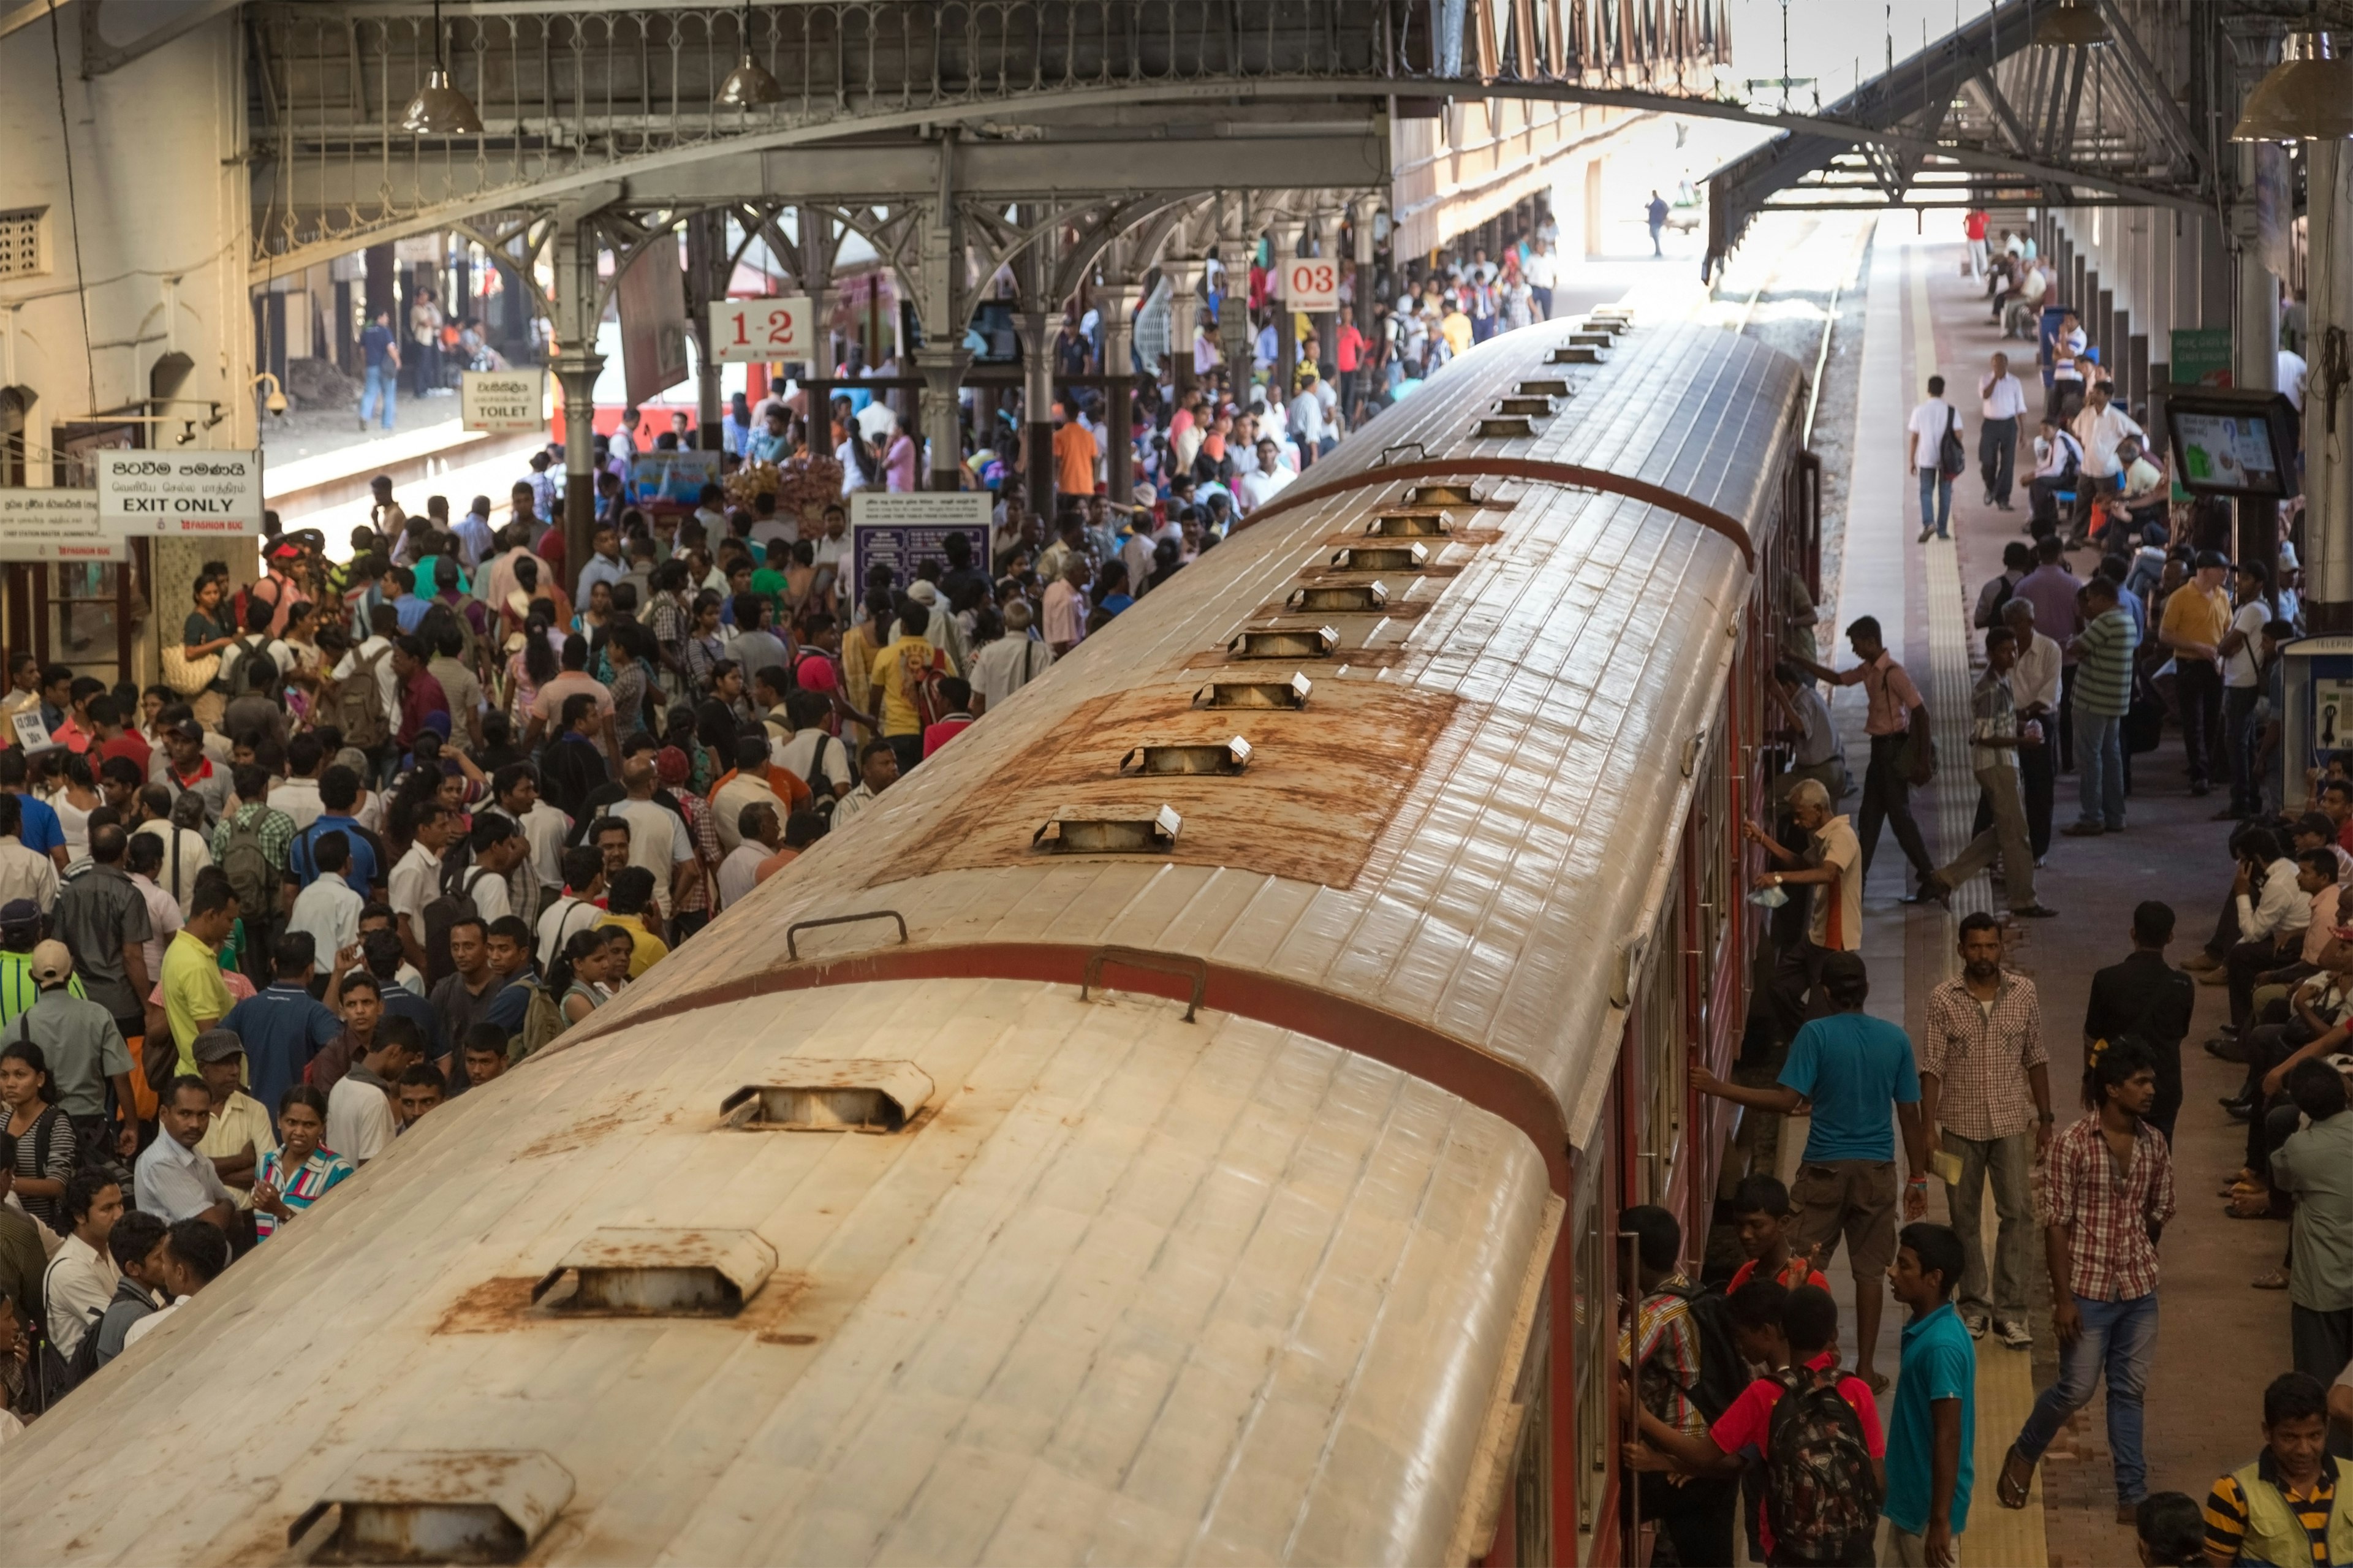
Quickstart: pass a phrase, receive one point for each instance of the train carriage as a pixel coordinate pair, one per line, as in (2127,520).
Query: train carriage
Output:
(1185,1123)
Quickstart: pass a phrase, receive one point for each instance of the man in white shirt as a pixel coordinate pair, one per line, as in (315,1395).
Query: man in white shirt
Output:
(1924,435)
(1540,269)
(515,788)
(415,882)
(815,753)
(1003,666)
(658,840)
(25,874)
(80,1278)
(2067,345)
(2001,402)
(2292,376)
(762,835)
(1254,490)
(2058,465)
(878,768)
(2243,687)
(580,907)
(360,1121)
(374,651)
(173,1181)
(193,1257)
(2102,428)
(2034,692)
(329,908)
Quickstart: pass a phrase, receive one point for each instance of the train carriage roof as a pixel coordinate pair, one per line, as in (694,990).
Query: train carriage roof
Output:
(1466,823)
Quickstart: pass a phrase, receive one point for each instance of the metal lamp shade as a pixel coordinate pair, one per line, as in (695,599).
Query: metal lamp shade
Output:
(2307,97)
(441,110)
(748,85)
(2073,25)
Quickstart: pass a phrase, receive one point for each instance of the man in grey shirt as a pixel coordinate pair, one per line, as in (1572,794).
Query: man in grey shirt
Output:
(103,916)
(137,1243)
(175,1183)
(2316,1166)
(85,1049)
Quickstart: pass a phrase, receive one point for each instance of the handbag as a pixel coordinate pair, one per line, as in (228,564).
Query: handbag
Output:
(1951,460)
(187,676)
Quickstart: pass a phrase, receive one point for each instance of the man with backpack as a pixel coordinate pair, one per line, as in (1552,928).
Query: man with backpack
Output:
(1932,1427)
(1814,1428)
(2058,470)
(254,668)
(522,1009)
(1687,1372)
(250,843)
(1933,444)
(363,693)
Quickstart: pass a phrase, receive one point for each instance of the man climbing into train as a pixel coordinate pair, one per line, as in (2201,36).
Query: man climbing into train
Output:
(1858,1076)
(1830,867)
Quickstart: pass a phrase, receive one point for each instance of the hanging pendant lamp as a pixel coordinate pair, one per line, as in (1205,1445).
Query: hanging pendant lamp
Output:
(439,108)
(749,85)
(2307,97)
(2074,25)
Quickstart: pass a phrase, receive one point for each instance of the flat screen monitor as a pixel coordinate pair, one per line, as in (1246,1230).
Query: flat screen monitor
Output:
(2233,443)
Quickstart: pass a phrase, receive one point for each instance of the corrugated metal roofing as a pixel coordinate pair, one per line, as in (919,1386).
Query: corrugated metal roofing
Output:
(1136,1290)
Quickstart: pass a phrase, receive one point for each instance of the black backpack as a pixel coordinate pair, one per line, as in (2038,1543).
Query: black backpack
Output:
(1721,1373)
(255,673)
(454,903)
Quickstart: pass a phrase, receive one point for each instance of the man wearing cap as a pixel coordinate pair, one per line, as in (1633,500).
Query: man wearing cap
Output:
(278,589)
(85,1050)
(172,1181)
(240,1132)
(2196,619)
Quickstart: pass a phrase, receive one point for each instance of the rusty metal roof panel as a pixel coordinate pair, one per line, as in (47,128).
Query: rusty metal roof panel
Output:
(1136,1289)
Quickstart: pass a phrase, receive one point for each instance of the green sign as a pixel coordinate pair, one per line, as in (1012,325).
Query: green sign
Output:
(2202,356)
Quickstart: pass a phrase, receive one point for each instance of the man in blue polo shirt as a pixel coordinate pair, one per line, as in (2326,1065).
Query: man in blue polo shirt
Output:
(339,793)
(41,831)
(282,1027)
(1932,1429)
(1858,1075)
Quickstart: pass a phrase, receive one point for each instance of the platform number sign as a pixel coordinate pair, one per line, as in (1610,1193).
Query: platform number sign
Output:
(1311,284)
(756,330)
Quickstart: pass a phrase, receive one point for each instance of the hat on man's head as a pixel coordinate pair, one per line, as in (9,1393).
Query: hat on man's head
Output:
(924,592)
(217,1046)
(2211,560)
(18,912)
(52,962)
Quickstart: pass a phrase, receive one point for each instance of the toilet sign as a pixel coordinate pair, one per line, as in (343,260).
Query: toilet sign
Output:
(179,494)
(1311,284)
(749,331)
(503,402)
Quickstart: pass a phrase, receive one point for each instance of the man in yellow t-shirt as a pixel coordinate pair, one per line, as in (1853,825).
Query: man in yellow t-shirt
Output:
(194,999)
(2197,618)
(897,670)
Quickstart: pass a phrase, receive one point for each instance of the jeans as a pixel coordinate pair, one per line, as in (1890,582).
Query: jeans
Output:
(382,382)
(1887,798)
(2100,769)
(2120,1339)
(2239,746)
(1997,457)
(2005,1160)
(2198,696)
(1935,502)
(1542,298)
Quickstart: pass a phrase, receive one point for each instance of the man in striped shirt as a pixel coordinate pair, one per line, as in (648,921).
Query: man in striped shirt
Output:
(2284,1507)
(2102,694)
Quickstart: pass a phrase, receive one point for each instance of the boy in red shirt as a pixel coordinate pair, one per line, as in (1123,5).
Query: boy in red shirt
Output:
(957,695)
(1745,1431)
(1761,1204)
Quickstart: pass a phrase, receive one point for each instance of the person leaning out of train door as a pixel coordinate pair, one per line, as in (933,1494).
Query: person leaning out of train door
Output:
(1902,753)
(1829,867)
(1684,1381)
(1857,1075)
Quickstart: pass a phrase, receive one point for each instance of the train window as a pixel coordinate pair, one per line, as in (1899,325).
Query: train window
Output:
(1531,1499)
(1714,837)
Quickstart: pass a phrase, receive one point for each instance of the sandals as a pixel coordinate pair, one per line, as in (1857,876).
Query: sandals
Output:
(1876,1380)
(2276,1281)
(2010,1489)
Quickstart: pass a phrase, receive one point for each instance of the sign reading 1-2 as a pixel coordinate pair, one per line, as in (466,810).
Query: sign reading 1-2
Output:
(754,330)
(1311,285)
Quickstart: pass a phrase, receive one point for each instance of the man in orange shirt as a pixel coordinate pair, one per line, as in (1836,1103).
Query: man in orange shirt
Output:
(1074,456)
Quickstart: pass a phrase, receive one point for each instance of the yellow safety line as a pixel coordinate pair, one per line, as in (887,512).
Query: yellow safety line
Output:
(1997,1537)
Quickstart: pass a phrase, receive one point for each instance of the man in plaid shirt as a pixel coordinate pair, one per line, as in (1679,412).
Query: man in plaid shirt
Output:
(1985,1085)
(2107,1191)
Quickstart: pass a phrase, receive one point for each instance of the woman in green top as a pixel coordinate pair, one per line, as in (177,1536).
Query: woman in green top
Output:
(205,632)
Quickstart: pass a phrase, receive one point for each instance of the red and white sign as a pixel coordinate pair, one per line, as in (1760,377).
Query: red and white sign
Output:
(1311,284)
(178,493)
(750,330)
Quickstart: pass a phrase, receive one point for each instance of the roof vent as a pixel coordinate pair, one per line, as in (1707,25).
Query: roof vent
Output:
(1381,558)
(1190,757)
(1599,337)
(1109,830)
(1546,388)
(1284,642)
(1410,525)
(439,1506)
(847,1095)
(1577,353)
(1623,315)
(1292,694)
(1504,427)
(660,1273)
(1536,406)
(1360,596)
(1451,493)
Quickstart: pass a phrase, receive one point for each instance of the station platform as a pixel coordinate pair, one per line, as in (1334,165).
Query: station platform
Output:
(2220,1341)
(328,490)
